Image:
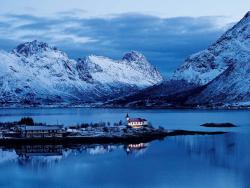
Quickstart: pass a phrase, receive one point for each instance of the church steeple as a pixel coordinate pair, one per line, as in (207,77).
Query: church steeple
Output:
(127,117)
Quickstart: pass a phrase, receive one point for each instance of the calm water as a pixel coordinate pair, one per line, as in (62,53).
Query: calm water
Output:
(184,161)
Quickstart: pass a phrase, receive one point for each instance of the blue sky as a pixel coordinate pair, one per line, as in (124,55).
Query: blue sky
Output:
(165,31)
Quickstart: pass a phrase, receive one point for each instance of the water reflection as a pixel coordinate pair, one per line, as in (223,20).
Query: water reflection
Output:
(137,149)
(48,154)
(183,161)
(27,151)
(229,152)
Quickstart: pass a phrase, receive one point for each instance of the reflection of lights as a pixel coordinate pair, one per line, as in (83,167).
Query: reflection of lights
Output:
(48,155)
(136,148)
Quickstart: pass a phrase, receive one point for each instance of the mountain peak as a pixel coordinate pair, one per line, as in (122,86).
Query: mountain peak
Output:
(231,48)
(35,73)
(33,47)
(244,21)
(134,56)
(247,15)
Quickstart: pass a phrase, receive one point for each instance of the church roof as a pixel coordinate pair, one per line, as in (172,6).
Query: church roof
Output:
(136,120)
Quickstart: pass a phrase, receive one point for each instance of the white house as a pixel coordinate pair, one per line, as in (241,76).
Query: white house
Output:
(136,122)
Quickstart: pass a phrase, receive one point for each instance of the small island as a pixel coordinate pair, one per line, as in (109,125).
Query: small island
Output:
(218,125)
(134,130)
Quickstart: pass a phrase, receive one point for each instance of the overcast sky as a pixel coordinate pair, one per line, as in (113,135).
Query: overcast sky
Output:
(165,31)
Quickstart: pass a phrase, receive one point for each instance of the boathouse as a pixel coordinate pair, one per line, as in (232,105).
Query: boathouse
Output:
(41,131)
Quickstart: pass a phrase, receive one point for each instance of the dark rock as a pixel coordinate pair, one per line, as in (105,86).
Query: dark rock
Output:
(218,125)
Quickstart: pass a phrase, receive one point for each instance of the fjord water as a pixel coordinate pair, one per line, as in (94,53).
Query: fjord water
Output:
(182,161)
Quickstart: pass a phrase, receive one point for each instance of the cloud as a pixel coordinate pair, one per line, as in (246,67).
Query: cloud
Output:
(73,12)
(165,42)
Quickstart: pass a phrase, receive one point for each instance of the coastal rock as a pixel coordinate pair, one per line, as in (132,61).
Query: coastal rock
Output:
(218,125)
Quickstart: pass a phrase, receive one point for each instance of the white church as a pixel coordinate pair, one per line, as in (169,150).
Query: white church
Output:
(136,122)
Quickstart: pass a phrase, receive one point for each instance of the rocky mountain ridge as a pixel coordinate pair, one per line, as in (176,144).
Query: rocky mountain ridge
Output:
(218,76)
(35,73)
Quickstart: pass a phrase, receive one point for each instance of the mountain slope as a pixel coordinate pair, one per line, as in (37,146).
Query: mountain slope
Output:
(135,70)
(232,87)
(35,73)
(155,96)
(229,49)
(217,76)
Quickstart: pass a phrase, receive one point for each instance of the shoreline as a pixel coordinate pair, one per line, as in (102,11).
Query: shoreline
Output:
(127,107)
(127,139)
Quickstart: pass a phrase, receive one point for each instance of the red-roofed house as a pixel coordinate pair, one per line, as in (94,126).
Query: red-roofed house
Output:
(136,122)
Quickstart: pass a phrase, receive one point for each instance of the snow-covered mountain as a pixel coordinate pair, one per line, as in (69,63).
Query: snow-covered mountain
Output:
(35,73)
(231,88)
(217,76)
(232,61)
(229,49)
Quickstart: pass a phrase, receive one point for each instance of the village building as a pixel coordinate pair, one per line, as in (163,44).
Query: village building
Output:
(136,122)
(41,131)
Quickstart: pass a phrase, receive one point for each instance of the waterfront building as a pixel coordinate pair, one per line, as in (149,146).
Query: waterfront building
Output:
(41,131)
(136,122)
